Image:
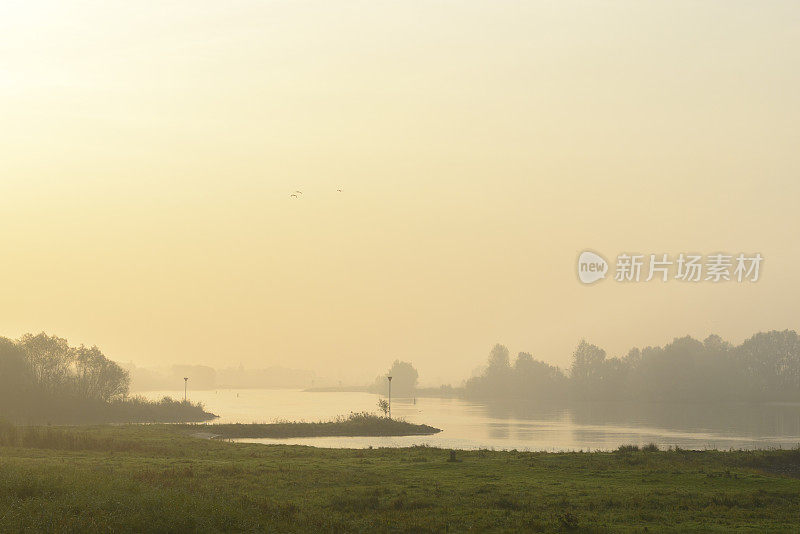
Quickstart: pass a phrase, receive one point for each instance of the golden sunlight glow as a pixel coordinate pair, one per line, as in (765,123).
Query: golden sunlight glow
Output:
(149,151)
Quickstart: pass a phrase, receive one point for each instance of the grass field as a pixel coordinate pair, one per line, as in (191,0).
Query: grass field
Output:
(157,478)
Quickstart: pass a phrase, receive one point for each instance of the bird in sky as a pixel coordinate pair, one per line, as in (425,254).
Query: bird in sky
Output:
(339,190)
(299,192)
(293,195)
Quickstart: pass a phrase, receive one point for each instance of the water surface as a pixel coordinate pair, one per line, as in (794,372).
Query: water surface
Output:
(513,425)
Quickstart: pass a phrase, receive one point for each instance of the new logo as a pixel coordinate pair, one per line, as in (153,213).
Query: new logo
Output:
(591,267)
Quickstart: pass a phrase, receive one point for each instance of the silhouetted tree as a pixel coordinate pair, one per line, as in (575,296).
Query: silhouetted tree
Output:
(499,359)
(50,358)
(586,372)
(43,379)
(534,379)
(765,367)
(527,379)
(97,377)
(770,365)
(404,380)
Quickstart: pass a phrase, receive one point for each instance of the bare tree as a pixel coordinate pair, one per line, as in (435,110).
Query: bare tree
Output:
(383,405)
(50,358)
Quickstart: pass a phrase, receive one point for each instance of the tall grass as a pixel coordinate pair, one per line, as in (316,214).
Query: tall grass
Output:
(70,410)
(65,438)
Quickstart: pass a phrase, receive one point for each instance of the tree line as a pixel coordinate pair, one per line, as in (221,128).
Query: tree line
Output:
(765,367)
(44,379)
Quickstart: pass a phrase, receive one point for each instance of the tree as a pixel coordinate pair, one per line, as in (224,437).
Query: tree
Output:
(592,375)
(527,379)
(383,406)
(59,369)
(534,379)
(498,372)
(16,379)
(587,362)
(404,380)
(770,364)
(97,377)
(498,358)
(50,358)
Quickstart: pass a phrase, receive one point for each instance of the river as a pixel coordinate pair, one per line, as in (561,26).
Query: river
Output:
(475,425)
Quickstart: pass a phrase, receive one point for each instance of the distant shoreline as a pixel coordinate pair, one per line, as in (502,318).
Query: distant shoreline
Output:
(441,392)
(338,389)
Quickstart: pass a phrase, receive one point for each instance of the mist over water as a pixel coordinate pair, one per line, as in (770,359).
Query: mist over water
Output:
(517,425)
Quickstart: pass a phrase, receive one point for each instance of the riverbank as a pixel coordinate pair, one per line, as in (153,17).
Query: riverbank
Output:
(360,424)
(76,411)
(157,478)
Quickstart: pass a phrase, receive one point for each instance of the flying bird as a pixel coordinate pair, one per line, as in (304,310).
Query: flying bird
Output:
(299,192)
(339,190)
(293,195)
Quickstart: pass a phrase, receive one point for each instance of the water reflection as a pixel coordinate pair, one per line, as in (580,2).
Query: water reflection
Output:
(531,426)
(723,419)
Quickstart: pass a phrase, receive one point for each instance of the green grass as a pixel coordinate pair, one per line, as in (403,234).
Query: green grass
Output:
(356,424)
(157,478)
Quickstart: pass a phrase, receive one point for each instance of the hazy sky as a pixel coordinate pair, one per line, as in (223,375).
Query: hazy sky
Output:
(148,151)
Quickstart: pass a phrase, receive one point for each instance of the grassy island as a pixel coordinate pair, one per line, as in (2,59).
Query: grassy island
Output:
(356,424)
